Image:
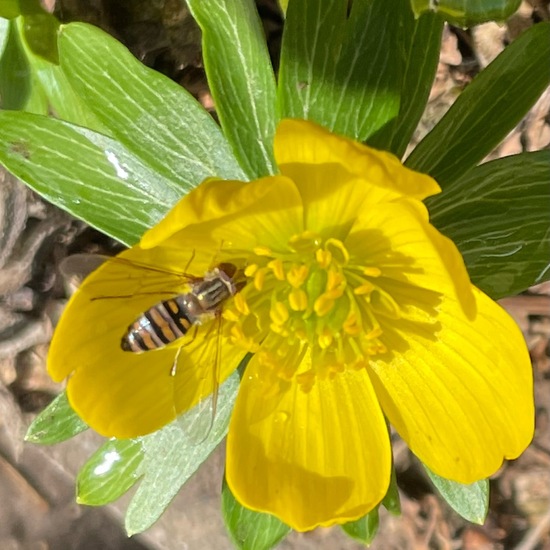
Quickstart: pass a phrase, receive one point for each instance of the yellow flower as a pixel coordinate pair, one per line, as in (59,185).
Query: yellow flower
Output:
(357,310)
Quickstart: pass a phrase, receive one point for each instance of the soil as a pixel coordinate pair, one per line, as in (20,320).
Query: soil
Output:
(37,508)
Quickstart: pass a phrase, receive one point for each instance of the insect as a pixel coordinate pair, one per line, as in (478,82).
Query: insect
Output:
(171,319)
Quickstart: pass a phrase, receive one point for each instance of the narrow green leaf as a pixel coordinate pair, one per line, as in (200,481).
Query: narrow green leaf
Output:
(364,529)
(85,173)
(488,109)
(250,530)
(469,501)
(109,472)
(391,501)
(498,216)
(57,422)
(343,72)
(466,13)
(421,60)
(15,77)
(241,79)
(170,460)
(153,117)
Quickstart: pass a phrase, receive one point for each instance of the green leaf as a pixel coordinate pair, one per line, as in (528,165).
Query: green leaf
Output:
(57,422)
(150,115)
(40,33)
(59,96)
(364,529)
(498,216)
(343,72)
(109,472)
(170,460)
(421,60)
(250,530)
(241,79)
(470,501)
(15,78)
(488,109)
(391,501)
(466,13)
(9,9)
(87,174)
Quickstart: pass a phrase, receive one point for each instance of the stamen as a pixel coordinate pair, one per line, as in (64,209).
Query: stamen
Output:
(263,251)
(381,302)
(249,270)
(259,278)
(366,288)
(325,339)
(338,251)
(323,257)
(278,268)
(279,313)
(240,304)
(372,271)
(323,305)
(297,275)
(297,299)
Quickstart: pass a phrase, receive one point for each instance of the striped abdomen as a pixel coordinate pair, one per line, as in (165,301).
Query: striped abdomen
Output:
(170,319)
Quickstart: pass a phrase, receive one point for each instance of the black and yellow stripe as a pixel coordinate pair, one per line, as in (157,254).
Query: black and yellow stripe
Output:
(158,326)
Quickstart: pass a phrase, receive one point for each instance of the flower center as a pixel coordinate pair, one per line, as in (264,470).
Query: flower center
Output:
(313,298)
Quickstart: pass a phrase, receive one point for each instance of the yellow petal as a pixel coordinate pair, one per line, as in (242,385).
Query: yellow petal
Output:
(315,458)
(460,396)
(232,214)
(397,238)
(120,393)
(300,141)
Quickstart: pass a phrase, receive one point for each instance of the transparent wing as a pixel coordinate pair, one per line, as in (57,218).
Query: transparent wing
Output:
(142,278)
(74,269)
(197,422)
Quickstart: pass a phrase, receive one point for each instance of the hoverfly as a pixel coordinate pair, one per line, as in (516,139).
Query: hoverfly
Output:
(171,319)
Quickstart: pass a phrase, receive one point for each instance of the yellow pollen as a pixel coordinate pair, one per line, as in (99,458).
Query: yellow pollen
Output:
(279,313)
(297,299)
(263,251)
(259,278)
(297,275)
(365,288)
(323,257)
(249,270)
(372,271)
(323,305)
(278,268)
(241,305)
(338,251)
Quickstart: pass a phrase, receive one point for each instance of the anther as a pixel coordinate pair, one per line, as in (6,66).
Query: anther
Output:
(278,269)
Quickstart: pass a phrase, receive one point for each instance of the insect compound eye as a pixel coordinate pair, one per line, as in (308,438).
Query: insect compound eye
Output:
(228,269)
